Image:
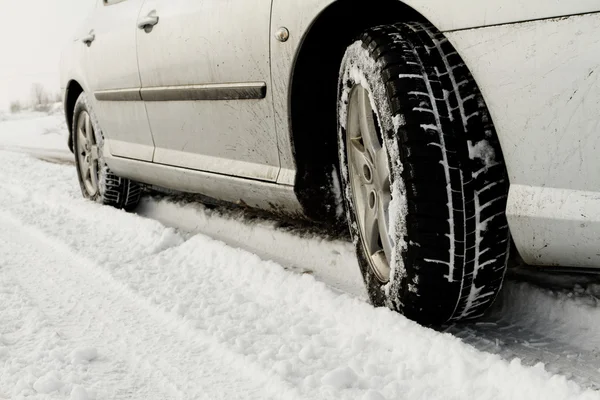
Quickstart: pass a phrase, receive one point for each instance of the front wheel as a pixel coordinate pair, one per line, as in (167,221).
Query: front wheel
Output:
(424,179)
(97,182)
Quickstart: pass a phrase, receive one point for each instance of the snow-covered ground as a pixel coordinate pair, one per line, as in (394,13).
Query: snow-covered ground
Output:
(184,302)
(41,134)
(529,322)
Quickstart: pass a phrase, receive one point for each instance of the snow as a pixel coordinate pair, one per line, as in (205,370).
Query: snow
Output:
(79,393)
(47,383)
(43,134)
(83,355)
(98,303)
(398,121)
(341,378)
(482,150)
(566,316)
(332,260)
(337,191)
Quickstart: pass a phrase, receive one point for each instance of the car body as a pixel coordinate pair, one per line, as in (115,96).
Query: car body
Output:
(235,99)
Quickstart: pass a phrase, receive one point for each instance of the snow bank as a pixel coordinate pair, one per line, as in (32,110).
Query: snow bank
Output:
(330,259)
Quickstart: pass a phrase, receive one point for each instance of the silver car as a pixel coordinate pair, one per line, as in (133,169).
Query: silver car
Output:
(435,130)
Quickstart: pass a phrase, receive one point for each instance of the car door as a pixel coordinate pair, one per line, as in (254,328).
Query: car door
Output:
(114,80)
(205,74)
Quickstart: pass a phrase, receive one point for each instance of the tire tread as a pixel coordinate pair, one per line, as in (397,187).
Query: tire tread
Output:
(478,192)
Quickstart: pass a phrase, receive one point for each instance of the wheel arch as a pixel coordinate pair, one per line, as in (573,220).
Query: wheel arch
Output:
(313,97)
(72,93)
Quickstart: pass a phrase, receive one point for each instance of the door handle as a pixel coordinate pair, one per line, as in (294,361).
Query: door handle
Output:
(146,23)
(87,40)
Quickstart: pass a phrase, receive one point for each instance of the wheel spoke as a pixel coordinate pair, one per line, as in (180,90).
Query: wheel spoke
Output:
(383,220)
(93,171)
(382,170)
(86,173)
(89,132)
(83,165)
(371,227)
(94,153)
(361,161)
(81,139)
(367,123)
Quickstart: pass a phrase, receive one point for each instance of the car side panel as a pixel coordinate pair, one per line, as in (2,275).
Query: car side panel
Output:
(464,14)
(269,196)
(299,15)
(541,81)
(112,69)
(73,55)
(72,65)
(206,83)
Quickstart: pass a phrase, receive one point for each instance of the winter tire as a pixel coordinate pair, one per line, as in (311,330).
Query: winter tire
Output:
(96,181)
(425,183)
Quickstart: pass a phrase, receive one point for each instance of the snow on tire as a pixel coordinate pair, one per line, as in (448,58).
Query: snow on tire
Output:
(445,218)
(97,182)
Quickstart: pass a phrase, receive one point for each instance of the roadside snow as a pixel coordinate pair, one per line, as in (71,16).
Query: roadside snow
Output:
(510,331)
(42,134)
(34,129)
(148,312)
(330,260)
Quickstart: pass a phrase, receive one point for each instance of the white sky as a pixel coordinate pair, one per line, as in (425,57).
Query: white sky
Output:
(32,35)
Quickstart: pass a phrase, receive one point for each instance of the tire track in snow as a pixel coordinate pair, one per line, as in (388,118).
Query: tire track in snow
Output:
(23,324)
(156,355)
(50,357)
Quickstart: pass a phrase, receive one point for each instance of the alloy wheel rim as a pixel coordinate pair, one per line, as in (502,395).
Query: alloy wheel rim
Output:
(87,153)
(369,174)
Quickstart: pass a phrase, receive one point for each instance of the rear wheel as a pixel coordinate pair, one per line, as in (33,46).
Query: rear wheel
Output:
(96,181)
(424,178)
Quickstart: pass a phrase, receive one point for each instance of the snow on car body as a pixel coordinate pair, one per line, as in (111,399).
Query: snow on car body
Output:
(438,108)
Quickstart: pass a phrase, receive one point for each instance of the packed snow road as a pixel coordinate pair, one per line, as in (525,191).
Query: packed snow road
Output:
(96,303)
